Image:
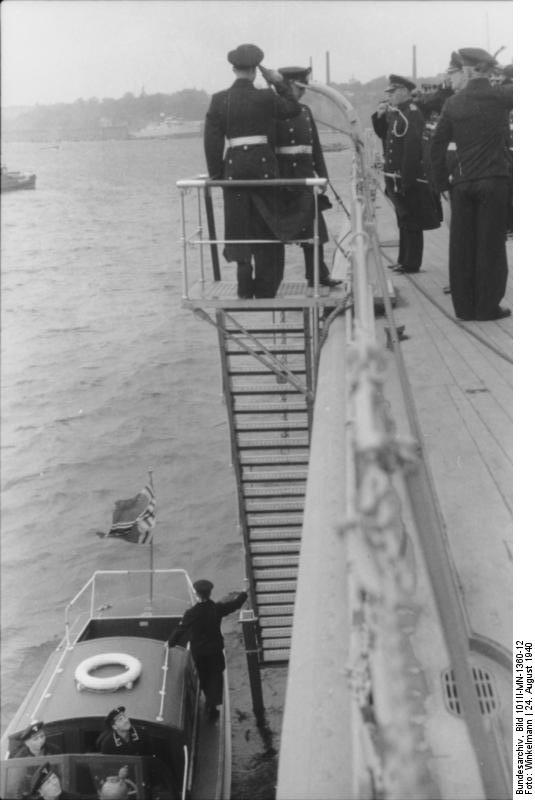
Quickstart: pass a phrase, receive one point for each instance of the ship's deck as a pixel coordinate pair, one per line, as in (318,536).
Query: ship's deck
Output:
(461,377)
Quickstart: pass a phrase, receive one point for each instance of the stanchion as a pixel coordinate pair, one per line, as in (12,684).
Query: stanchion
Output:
(248,621)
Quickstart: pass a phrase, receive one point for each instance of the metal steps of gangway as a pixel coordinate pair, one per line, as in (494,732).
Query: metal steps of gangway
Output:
(270,433)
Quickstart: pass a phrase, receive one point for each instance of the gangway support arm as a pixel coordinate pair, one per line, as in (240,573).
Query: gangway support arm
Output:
(252,649)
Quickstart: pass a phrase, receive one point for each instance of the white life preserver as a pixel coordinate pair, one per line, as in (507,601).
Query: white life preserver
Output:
(84,679)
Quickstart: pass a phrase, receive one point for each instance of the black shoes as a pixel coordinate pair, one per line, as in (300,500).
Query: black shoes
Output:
(502,313)
(212,712)
(245,295)
(404,270)
(330,282)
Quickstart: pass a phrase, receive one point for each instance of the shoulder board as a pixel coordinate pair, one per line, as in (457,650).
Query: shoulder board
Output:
(413,107)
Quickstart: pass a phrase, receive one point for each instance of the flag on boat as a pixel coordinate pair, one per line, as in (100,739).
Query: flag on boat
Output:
(134,519)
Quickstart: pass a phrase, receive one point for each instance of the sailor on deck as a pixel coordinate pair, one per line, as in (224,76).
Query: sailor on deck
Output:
(401,129)
(245,115)
(475,119)
(299,153)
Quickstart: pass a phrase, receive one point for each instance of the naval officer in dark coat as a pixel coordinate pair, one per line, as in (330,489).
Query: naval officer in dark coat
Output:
(401,128)
(299,153)
(245,116)
(201,625)
(475,119)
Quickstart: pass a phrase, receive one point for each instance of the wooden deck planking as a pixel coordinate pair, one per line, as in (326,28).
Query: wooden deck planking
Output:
(463,396)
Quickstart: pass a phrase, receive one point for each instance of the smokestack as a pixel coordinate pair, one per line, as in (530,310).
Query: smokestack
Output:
(327,68)
(414,62)
(311,67)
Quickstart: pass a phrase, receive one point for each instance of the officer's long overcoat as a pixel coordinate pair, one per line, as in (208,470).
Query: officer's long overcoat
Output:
(243,110)
(401,131)
(299,204)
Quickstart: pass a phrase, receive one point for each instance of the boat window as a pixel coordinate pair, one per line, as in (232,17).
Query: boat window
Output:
(19,774)
(161,781)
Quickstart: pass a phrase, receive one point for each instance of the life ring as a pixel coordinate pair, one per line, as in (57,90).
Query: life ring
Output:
(84,679)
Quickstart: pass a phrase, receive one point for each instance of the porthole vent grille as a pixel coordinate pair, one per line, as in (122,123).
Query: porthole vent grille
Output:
(484,687)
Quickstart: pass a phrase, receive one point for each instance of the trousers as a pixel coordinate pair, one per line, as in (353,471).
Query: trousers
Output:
(477,254)
(210,669)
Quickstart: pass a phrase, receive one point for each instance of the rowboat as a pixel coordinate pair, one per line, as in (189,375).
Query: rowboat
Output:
(114,653)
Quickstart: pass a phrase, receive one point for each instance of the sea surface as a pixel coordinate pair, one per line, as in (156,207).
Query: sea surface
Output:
(103,376)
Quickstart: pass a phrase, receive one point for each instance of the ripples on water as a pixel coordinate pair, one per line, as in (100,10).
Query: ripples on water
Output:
(104,375)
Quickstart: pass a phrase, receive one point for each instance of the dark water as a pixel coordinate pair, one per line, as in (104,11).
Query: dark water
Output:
(103,375)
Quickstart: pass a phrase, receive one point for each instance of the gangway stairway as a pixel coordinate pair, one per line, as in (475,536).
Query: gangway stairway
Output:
(267,362)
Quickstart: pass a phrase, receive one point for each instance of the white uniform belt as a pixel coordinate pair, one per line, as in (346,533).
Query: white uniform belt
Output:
(246,140)
(294,150)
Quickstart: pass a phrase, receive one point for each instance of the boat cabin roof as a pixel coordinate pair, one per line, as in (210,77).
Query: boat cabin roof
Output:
(163,694)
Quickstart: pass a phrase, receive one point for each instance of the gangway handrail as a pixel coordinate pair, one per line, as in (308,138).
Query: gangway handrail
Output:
(235,183)
(378,578)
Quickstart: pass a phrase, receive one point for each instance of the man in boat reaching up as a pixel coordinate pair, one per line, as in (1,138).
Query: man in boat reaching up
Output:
(120,736)
(201,626)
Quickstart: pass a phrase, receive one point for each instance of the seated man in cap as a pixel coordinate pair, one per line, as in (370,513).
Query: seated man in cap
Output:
(33,742)
(46,784)
(475,120)
(299,154)
(245,115)
(201,626)
(121,738)
(401,129)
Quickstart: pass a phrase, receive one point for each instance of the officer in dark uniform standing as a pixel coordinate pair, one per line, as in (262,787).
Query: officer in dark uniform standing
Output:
(300,155)
(475,119)
(245,115)
(201,625)
(401,128)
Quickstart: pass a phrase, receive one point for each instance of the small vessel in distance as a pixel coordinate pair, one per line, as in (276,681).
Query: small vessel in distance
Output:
(11,181)
(114,653)
(169,128)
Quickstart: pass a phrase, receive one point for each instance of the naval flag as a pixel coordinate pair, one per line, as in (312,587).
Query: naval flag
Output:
(134,519)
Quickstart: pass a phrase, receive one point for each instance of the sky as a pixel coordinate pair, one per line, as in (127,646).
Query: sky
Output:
(61,50)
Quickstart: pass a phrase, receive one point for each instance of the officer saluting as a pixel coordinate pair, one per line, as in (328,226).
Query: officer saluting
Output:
(401,129)
(299,154)
(246,115)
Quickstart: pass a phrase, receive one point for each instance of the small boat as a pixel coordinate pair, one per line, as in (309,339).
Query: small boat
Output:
(11,181)
(169,128)
(114,653)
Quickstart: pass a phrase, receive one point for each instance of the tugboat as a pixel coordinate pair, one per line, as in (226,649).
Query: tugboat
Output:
(115,653)
(11,181)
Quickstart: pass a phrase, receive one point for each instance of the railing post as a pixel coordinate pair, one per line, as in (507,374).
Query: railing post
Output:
(210,221)
(184,246)
(249,622)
